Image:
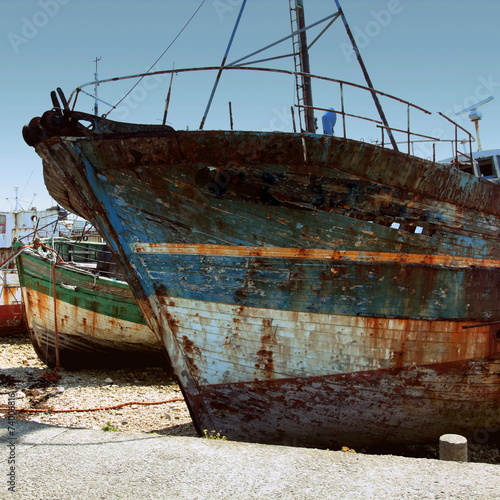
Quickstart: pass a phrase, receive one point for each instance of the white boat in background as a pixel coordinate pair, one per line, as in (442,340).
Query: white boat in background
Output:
(18,225)
(485,164)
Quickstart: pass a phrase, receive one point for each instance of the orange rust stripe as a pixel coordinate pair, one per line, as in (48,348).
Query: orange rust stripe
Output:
(311,253)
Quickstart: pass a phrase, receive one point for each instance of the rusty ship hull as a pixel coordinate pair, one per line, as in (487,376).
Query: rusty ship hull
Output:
(296,300)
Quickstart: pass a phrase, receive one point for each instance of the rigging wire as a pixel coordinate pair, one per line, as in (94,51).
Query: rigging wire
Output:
(25,186)
(156,62)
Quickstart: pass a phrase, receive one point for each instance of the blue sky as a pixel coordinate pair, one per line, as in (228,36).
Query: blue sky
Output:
(440,55)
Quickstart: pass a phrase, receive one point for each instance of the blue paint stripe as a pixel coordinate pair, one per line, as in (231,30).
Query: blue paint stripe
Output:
(411,291)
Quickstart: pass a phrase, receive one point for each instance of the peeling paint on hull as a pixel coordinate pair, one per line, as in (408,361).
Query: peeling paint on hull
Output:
(97,318)
(291,310)
(356,409)
(324,380)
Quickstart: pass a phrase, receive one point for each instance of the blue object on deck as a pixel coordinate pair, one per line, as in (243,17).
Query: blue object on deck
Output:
(329,119)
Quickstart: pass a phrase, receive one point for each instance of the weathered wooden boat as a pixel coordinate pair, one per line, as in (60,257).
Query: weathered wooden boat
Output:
(79,310)
(17,225)
(309,289)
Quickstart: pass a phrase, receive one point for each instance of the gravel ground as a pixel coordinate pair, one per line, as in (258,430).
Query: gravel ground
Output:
(38,389)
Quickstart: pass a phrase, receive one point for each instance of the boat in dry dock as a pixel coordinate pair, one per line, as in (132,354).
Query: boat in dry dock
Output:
(16,225)
(310,289)
(79,310)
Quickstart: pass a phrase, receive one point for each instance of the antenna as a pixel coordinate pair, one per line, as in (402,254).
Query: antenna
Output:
(17,205)
(32,200)
(475,116)
(97,59)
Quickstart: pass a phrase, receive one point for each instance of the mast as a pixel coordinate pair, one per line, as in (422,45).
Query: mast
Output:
(97,59)
(304,89)
(17,206)
(475,116)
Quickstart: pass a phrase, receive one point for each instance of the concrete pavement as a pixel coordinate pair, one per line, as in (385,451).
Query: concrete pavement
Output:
(60,463)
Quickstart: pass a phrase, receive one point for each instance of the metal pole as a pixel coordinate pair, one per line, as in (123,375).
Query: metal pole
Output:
(222,65)
(305,68)
(17,206)
(97,59)
(343,109)
(476,124)
(408,127)
(167,100)
(367,77)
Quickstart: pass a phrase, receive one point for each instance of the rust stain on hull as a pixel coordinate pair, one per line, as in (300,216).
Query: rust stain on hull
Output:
(340,408)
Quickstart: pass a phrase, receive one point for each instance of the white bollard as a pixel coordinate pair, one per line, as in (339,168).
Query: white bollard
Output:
(453,447)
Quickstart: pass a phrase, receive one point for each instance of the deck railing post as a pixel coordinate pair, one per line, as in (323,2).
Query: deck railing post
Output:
(408,126)
(342,108)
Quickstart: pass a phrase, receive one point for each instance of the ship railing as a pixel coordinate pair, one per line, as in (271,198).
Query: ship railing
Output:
(456,142)
(91,256)
(343,111)
(409,142)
